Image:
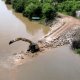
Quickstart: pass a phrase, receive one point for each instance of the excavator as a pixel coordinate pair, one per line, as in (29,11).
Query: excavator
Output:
(33,47)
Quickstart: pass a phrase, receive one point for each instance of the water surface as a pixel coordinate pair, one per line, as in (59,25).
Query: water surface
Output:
(13,25)
(55,64)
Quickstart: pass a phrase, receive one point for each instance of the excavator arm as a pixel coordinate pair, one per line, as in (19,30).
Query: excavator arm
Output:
(33,47)
(18,39)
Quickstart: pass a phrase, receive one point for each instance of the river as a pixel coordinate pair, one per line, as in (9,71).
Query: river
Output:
(13,25)
(54,64)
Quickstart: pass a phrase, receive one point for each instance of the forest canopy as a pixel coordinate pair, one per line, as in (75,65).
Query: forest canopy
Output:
(45,8)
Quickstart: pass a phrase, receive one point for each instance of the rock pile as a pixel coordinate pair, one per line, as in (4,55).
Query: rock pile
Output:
(66,37)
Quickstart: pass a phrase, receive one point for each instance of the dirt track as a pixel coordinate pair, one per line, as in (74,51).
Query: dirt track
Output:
(64,23)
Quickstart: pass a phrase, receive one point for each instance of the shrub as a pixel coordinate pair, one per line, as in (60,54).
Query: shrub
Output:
(69,7)
(77,50)
(47,1)
(32,10)
(33,1)
(18,5)
(27,2)
(76,44)
(48,11)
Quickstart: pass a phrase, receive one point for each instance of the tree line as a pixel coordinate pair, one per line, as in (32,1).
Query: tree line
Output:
(34,8)
(69,7)
(46,9)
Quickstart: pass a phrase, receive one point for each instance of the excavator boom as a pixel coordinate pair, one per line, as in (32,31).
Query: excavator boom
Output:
(18,39)
(33,47)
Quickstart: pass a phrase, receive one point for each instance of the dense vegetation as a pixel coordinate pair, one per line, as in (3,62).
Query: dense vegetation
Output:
(69,7)
(18,5)
(34,8)
(45,9)
(76,45)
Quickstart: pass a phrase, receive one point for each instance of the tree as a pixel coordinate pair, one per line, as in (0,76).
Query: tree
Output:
(69,7)
(46,1)
(18,5)
(48,11)
(35,8)
(32,10)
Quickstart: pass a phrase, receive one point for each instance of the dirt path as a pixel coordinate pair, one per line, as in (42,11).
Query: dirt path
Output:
(64,23)
(69,22)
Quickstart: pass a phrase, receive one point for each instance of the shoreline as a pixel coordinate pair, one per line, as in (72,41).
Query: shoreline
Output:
(60,34)
(64,26)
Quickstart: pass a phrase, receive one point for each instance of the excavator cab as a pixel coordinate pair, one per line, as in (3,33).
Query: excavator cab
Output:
(33,48)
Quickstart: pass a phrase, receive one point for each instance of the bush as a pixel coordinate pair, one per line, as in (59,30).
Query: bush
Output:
(27,2)
(47,1)
(77,50)
(18,5)
(32,10)
(48,11)
(69,7)
(76,44)
(59,0)
(32,1)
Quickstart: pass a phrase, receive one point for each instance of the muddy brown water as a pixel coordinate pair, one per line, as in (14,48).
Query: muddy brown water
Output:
(55,64)
(13,25)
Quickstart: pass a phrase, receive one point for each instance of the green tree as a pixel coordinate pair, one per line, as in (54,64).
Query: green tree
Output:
(46,1)
(37,8)
(48,11)
(18,5)
(32,10)
(69,7)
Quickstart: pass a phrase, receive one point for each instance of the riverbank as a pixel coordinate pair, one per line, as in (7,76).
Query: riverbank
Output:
(63,31)
(60,27)
(14,25)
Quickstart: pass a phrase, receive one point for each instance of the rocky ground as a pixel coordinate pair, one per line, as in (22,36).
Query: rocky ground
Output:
(63,31)
(65,38)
